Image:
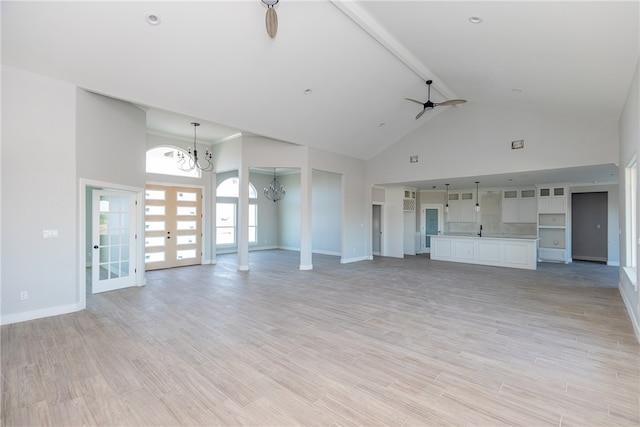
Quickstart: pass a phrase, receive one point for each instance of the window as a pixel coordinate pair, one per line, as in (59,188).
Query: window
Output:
(230,187)
(163,160)
(227,194)
(225,224)
(253,223)
(631,206)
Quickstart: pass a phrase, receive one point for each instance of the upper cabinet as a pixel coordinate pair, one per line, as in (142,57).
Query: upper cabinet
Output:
(519,206)
(552,199)
(461,207)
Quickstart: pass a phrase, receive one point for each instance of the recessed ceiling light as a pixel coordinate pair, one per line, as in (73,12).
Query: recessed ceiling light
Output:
(307,91)
(152,19)
(475,19)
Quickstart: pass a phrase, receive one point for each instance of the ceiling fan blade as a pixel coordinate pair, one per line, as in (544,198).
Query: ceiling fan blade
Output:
(420,114)
(452,102)
(415,100)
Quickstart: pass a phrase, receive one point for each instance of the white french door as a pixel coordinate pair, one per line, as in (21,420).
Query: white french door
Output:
(173,226)
(114,248)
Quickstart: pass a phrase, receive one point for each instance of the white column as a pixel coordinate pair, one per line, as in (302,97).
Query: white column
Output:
(305,219)
(243,219)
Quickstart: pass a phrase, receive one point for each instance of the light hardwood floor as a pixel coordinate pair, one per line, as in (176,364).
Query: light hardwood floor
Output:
(385,342)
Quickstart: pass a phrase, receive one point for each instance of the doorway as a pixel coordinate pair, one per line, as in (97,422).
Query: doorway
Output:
(113,260)
(173,227)
(431,224)
(376,230)
(589,218)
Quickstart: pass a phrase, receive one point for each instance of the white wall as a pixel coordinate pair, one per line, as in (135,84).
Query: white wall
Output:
(268,228)
(356,202)
(289,212)
(475,140)
(111,137)
(326,221)
(630,147)
(38,193)
(394,223)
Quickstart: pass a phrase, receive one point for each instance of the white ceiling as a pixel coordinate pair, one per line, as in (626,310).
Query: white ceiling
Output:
(213,62)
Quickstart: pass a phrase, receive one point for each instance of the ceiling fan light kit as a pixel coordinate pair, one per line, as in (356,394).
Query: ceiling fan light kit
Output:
(271,20)
(428,105)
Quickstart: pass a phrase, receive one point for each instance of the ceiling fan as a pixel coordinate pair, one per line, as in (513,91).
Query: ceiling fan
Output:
(430,105)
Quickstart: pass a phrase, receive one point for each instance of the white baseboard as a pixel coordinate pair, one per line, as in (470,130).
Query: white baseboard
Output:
(306,266)
(633,314)
(288,248)
(354,259)
(39,314)
(332,253)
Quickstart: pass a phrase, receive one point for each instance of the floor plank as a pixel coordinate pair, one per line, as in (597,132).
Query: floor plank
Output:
(383,342)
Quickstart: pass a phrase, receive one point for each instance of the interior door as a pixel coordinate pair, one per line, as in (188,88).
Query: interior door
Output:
(113,260)
(376,229)
(589,226)
(431,224)
(173,226)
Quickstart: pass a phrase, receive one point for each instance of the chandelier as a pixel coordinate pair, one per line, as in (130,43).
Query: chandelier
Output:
(274,191)
(191,161)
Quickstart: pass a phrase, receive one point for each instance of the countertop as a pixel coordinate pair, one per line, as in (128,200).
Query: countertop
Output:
(487,236)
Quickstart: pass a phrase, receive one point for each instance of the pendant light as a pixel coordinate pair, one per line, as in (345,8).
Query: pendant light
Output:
(190,161)
(446,207)
(477,200)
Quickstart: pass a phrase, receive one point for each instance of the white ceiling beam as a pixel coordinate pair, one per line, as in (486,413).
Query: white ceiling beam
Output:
(382,36)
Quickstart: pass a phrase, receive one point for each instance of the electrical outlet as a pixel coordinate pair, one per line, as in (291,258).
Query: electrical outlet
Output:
(24,295)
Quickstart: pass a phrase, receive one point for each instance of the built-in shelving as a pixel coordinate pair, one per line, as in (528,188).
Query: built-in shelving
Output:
(552,224)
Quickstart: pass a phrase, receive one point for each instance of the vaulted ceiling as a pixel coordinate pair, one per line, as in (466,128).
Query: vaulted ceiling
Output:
(213,61)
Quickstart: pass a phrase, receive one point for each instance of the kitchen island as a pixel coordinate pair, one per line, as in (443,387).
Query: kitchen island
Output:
(498,250)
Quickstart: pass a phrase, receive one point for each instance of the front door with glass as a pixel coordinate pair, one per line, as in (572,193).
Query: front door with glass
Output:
(173,226)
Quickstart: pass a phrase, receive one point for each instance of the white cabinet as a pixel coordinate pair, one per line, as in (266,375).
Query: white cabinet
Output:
(552,199)
(552,224)
(461,207)
(519,206)
(502,252)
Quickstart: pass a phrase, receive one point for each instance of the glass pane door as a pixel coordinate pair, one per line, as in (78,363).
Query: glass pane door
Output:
(114,240)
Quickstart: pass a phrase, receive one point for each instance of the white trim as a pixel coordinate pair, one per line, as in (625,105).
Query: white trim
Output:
(630,310)
(355,259)
(321,252)
(613,263)
(306,267)
(243,268)
(39,314)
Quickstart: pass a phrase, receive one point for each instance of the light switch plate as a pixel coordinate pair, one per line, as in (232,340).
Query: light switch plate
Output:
(49,234)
